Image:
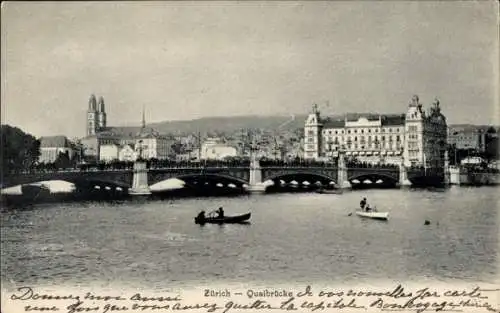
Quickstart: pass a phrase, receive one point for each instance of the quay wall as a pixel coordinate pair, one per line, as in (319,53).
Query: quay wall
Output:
(460,176)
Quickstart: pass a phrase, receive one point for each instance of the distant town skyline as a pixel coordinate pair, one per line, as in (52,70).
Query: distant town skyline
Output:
(186,60)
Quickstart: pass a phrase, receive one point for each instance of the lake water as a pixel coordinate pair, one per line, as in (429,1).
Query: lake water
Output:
(302,237)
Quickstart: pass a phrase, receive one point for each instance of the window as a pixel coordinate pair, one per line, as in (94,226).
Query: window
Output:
(348,131)
(310,133)
(362,131)
(355,131)
(369,130)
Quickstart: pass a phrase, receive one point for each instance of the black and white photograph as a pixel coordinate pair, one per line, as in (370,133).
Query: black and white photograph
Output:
(250,156)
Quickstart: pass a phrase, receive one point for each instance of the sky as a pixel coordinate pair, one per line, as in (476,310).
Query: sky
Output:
(186,60)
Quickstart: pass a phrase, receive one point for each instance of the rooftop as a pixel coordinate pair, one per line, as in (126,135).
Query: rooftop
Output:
(393,119)
(54,142)
(386,119)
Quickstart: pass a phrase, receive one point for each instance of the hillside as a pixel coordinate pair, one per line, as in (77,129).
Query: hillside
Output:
(229,124)
(233,124)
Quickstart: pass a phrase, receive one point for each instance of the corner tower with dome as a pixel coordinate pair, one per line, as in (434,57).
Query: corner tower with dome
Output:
(425,135)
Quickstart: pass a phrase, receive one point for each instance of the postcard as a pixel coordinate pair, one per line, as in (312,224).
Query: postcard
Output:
(250,156)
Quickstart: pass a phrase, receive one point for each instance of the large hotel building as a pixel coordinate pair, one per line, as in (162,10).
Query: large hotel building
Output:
(417,138)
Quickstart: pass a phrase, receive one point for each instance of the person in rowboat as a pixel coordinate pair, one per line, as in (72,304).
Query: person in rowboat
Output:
(220,211)
(201,215)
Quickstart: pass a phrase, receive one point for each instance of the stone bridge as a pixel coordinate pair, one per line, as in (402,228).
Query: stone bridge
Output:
(141,178)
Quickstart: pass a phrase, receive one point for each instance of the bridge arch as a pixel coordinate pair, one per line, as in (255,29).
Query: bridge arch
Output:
(214,176)
(374,177)
(305,176)
(98,181)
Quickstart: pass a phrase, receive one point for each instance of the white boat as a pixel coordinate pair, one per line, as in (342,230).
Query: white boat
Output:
(374,214)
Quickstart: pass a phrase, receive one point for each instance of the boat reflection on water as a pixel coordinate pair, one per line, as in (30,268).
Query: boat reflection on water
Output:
(329,191)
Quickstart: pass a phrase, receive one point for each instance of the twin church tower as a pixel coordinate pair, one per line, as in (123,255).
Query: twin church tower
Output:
(96,116)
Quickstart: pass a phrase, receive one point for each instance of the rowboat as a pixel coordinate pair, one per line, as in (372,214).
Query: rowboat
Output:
(374,215)
(224,220)
(330,191)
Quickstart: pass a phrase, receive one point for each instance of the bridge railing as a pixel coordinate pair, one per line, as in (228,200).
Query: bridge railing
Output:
(162,164)
(295,163)
(383,166)
(128,166)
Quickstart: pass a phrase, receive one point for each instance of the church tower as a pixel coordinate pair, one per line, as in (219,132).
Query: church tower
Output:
(101,114)
(92,119)
(312,134)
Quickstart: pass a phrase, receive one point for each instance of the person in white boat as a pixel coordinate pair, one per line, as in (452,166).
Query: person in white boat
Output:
(363,204)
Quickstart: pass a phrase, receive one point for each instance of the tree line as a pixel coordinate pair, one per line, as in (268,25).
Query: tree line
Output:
(20,151)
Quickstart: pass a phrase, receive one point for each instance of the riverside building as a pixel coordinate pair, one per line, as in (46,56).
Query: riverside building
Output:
(417,138)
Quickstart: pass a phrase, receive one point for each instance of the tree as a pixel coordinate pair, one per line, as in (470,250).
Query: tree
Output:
(63,160)
(20,151)
(177,147)
(492,151)
(78,147)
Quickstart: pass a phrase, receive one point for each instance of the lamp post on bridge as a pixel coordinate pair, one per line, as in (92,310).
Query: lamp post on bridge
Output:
(342,181)
(140,185)
(255,184)
(403,171)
